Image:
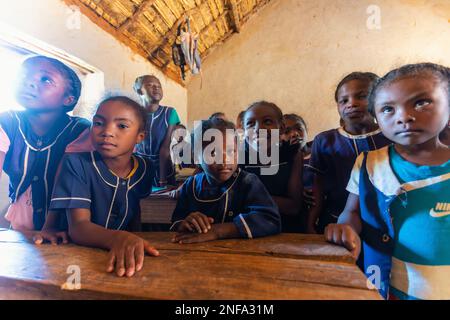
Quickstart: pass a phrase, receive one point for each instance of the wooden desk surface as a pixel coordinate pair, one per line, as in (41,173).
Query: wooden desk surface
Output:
(287,266)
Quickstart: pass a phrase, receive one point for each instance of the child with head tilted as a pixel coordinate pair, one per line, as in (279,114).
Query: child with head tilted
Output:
(281,171)
(223,201)
(399,202)
(334,151)
(33,141)
(101,190)
(161,122)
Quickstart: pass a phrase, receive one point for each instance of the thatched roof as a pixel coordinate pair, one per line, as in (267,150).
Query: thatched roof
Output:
(149,27)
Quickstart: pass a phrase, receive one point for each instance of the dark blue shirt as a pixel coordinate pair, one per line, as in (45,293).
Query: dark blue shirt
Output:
(33,160)
(333,155)
(243,200)
(86,182)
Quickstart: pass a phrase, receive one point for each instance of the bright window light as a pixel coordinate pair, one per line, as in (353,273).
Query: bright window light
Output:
(10,62)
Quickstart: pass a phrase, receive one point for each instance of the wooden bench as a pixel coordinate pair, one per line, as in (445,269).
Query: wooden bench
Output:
(286,266)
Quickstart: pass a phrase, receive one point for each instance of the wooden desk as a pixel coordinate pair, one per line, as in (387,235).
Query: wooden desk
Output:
(287,266)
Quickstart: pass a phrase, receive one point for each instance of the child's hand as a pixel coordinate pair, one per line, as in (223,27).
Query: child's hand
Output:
(196,222)
(190,237)
(50,235)
(127,253)
(344,235)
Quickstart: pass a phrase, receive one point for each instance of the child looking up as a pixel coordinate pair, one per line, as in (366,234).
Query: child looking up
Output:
(101,190)
(160,125)
(223,201)
(33,141)
(399,198)
(334,152)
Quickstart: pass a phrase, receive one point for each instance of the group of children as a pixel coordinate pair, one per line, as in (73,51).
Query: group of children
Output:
(378,185)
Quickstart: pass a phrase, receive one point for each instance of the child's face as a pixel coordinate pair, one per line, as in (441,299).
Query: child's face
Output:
(151,88)
(412,110)
(42,87)
(222,172)
(116,130)
(352,102)
(293,131)
(260,117)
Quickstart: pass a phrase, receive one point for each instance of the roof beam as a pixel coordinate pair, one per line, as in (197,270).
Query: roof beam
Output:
(142,8)
(99,21)
(234,15)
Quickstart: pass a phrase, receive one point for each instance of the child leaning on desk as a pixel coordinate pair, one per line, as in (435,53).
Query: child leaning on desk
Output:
(223,201)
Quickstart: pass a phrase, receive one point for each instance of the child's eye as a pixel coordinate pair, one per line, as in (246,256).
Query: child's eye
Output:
(97,123)
(268,121)
(362,96)
(343,101)
(123,126)
(387,109)
(249,124)
(422,103)
(47,80)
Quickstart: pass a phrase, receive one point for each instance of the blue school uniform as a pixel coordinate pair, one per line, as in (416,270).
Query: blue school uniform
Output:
(405,213)
(277,184)
(32,160)
(85,182)
(333,154)
(242,200)
(158,123)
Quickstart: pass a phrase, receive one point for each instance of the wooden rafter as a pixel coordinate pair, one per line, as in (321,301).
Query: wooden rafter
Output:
(235,15)
(142,8)
(98,20)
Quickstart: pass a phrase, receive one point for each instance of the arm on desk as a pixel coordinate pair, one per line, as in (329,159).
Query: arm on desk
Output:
(217,231)
(126,250)
(346,231)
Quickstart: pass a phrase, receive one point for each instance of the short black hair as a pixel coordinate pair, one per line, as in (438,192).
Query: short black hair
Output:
(438,71)
(362,76)
(216,115)
(140,80)
(296,118)
(271,105)
(140,112)
(73,83)
(214,123)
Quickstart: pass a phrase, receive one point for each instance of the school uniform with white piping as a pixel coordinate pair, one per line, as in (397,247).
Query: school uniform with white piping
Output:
(31,162)
(158,123)
(405,213)
(242,199)
(85,182)
(333,155)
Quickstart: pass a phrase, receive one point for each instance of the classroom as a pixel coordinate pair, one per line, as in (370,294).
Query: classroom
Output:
(162,149)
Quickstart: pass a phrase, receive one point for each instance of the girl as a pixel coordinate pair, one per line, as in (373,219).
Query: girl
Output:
(160,125)
(399,198)
(33,141)
(334,152)
(223,201)
(100,190)
(284,182)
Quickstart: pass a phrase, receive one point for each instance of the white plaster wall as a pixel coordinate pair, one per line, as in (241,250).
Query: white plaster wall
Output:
(294,52)
(47,20)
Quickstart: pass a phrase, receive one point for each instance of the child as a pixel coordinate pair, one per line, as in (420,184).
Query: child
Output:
(100,190)
(285,186)
(334,152)
(218,115)
(160,125)
(223,201)
(399,195)
(33,141)
(296,132)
